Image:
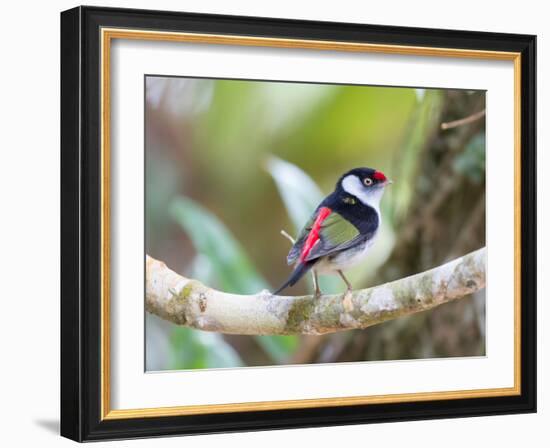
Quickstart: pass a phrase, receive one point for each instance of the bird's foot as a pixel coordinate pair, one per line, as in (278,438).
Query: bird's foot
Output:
(347,301)
(317,294)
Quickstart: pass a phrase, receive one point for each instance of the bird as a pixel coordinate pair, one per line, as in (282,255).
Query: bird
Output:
(341,230)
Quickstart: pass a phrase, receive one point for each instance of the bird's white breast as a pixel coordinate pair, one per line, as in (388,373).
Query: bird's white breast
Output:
(345,259)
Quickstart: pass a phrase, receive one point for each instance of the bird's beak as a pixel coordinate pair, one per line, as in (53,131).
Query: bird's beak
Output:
(389,182)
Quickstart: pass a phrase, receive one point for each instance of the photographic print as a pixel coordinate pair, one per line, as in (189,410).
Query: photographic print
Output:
(314,192)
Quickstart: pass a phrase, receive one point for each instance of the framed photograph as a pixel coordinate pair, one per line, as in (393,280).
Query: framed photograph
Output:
(276,224)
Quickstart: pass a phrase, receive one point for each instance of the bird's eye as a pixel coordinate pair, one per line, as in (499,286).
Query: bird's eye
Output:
(367,181)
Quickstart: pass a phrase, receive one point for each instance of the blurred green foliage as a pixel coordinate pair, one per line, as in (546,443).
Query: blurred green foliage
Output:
(421,125)
(299,193)
(193,349)
(230,270)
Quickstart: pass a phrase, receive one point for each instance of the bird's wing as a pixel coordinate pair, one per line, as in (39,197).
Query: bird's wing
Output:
(326,232)
(336,234)
(296,249)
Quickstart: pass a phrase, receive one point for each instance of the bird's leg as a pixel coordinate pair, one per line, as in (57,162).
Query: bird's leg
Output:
(316,283)
(347,302)
(346,281)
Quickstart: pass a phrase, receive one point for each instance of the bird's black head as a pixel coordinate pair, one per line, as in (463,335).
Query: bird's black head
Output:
(365,184)
(369,177)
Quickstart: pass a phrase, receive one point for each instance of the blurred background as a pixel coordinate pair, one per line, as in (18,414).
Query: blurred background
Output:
(229,164)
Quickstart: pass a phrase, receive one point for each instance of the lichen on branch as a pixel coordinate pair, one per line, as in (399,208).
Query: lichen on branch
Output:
(189,302)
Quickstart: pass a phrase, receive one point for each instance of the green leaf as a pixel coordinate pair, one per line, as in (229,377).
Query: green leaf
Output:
(232,268)
(194,349)
(299,192)
(278,347)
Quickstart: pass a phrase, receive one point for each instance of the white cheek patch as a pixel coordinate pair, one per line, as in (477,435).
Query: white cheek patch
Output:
(353,185)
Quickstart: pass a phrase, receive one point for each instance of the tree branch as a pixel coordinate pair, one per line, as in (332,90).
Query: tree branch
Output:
(189,302)
(463,121)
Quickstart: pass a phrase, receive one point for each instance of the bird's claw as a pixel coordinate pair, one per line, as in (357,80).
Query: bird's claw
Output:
(347,301)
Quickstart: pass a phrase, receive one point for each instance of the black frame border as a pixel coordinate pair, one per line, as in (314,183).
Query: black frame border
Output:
(81,223)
